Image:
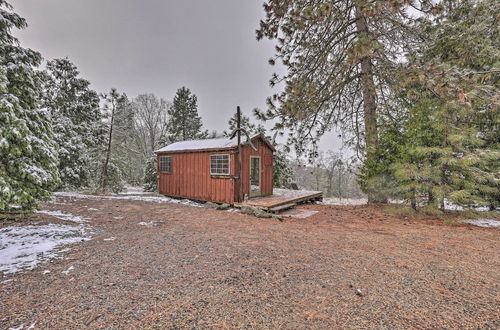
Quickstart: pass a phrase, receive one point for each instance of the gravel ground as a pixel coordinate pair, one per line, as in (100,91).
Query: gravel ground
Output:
(191,267)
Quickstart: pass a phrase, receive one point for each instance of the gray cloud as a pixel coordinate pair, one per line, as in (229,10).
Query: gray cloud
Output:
(158,46)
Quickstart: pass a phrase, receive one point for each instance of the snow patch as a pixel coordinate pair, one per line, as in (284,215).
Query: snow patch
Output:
(343,201)
(135,193)
(64,216)
(200,144)
(25,247)
(148,224)
(109,239)
(92,209)
(486,223)
(31,326)
(449,205)
(66,272)
(152,199)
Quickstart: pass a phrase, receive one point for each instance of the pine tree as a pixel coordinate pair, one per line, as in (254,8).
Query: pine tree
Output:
(341,57)
(124,154)
(77,121)
(184,123)
(119,116)
(449,140)
(28,161)
(150,180)
(245,124)
(282,170)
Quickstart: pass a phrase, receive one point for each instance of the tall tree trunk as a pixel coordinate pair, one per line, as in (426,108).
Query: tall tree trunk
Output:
(413,200)
(108,151)
(369,96)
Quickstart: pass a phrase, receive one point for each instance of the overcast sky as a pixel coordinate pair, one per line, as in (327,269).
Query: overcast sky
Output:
(157,46)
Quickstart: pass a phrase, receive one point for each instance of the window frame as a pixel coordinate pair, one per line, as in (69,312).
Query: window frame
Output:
(170,167)
(228,165)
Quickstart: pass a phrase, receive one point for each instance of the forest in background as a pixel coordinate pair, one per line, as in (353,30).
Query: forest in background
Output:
(412,85)
(415,97)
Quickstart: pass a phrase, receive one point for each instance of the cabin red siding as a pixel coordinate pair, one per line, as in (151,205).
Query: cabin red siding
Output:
(266,161)
(191,178)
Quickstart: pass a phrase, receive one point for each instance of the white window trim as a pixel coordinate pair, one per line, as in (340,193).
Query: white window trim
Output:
(170,165)
(228,165)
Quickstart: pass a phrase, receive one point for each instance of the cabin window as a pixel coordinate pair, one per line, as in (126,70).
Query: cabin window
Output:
(166,164)
(219,164)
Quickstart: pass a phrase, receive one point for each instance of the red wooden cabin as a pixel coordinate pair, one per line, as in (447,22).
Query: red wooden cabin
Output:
(207,170)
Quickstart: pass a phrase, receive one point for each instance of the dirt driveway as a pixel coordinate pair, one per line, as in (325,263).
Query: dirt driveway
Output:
(162,265)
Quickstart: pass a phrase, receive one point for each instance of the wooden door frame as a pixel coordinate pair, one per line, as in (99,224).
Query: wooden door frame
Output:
(250,177)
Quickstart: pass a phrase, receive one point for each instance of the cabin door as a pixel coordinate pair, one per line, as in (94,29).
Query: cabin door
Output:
(255,171)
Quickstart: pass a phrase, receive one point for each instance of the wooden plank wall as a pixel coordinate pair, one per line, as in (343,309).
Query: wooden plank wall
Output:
(190,178)
(266,159)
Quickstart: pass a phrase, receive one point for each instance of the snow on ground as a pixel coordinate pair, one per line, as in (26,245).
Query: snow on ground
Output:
(64,216)
(66,272)
(134,190)
(25,247)
(449,205)
(150,223)
(109,239)
(153,199)
(292,193)
(486,223)
(344,201)
(134,193)
(32,326)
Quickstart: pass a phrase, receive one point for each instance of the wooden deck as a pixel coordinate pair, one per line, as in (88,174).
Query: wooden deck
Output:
(282,199)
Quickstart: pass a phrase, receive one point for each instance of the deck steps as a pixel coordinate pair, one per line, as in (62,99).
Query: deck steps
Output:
(282,199)
(281,207)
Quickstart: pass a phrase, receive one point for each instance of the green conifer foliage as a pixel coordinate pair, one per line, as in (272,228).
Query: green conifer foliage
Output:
(77,122)
(245,124)
(449,137)
(150,176)
(28,161)
(118,115)
(184,122)
(341,57)
(282,170)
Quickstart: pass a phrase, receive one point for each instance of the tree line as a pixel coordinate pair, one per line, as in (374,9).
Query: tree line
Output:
(57,132)
(413,85)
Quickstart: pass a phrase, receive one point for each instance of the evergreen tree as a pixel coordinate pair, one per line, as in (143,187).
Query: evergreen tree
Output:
(449,143)
(119,116)
(282,170)
(341,57)
(244,124)
(184,123)
(124,155)
(28,161)
(77,122)
(150,180)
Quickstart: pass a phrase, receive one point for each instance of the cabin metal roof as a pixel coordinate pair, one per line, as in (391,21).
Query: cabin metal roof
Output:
(208,144)
(199,145)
